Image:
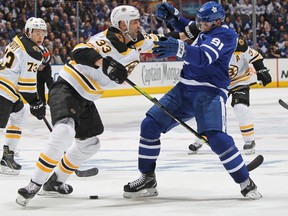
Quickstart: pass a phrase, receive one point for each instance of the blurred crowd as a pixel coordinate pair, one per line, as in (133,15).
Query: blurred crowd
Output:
(61,19)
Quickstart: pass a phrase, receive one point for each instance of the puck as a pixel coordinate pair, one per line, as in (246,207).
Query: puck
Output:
(93,197)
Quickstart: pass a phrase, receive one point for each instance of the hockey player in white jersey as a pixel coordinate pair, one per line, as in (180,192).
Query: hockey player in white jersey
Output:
(239,89)
(103,62)
(201,93)
(18,78)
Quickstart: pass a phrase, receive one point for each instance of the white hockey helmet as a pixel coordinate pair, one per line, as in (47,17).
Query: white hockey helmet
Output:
(35,23)
(124,13)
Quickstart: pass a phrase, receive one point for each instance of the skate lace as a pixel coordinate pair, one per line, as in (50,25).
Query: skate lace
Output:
(31,187)
(64,187)
(138,181)
(197,145)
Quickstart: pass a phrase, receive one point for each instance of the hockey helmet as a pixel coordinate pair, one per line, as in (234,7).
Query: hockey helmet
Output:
(35,23)
(124,13)
(210,12)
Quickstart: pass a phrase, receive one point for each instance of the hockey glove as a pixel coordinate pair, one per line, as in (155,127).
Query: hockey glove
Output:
(191,31)
(38,109)
(264,76)
(167,47)
(167,12)
(114,70)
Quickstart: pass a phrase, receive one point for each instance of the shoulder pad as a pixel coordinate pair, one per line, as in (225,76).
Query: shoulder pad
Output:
(30,47)
(241,45)
(116,39)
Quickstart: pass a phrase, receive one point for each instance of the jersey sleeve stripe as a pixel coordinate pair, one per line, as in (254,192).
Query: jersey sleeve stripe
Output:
(9,88)
(212,49)
(208,56)
(8,91)
(83,81)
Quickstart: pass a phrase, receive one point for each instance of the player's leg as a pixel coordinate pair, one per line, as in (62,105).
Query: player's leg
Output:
(86,145)
(240,103)
(155,123)
(64,113)
(211,119)
(18,114)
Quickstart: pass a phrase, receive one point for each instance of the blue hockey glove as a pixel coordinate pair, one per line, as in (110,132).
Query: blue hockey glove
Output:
(167,47)
(167,12)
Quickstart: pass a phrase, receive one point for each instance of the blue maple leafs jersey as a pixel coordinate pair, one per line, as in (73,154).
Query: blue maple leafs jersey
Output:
(207,61)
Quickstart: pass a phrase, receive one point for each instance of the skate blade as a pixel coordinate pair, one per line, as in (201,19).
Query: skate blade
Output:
(151,192)
(254,195)
(50,194)
(192,152)
(8,171)
(20,200)
(249,151)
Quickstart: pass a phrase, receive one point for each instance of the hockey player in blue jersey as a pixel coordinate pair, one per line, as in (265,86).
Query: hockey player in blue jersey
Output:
(201,93)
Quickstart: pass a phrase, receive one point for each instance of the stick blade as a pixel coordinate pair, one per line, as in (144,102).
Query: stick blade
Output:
(283,104)
(87,173)
(255,163)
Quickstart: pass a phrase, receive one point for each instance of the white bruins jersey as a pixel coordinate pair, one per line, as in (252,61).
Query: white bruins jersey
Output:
(239,69)
(90,82)
(18,68)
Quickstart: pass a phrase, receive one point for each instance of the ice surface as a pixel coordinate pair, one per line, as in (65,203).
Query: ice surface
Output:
(187,184)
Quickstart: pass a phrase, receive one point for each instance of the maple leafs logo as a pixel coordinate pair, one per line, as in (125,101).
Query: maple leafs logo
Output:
(214,9)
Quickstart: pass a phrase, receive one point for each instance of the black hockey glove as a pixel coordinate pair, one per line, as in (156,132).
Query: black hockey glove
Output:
(264,76)
(191,31)
(38,109)
(114,70)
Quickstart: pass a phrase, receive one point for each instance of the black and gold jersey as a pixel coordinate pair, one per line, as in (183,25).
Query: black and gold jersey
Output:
(88,80)
(19,66)
(239,69)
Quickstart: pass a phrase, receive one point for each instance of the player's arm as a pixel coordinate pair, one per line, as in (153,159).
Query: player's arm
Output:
(190,32)
(170,14)
(86,54)
(262,72)
(255,58)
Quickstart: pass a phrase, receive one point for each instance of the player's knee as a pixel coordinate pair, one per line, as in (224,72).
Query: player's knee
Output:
(62,136)
(18,118)
(88,147)
(150,128)
(219,141)
(241,108)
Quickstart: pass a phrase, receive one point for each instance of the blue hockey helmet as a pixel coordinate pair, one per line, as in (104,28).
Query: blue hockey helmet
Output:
(210,12)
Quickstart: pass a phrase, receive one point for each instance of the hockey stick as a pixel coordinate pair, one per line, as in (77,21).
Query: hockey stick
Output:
(80,173)
(251,166)
(243,87)
(156,102)
(283,104)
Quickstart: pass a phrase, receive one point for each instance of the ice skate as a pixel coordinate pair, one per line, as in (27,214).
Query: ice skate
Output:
(249,147)
(27,193)
(8,165)
(145,186)
(52,187)
(194,147)
(250,191)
